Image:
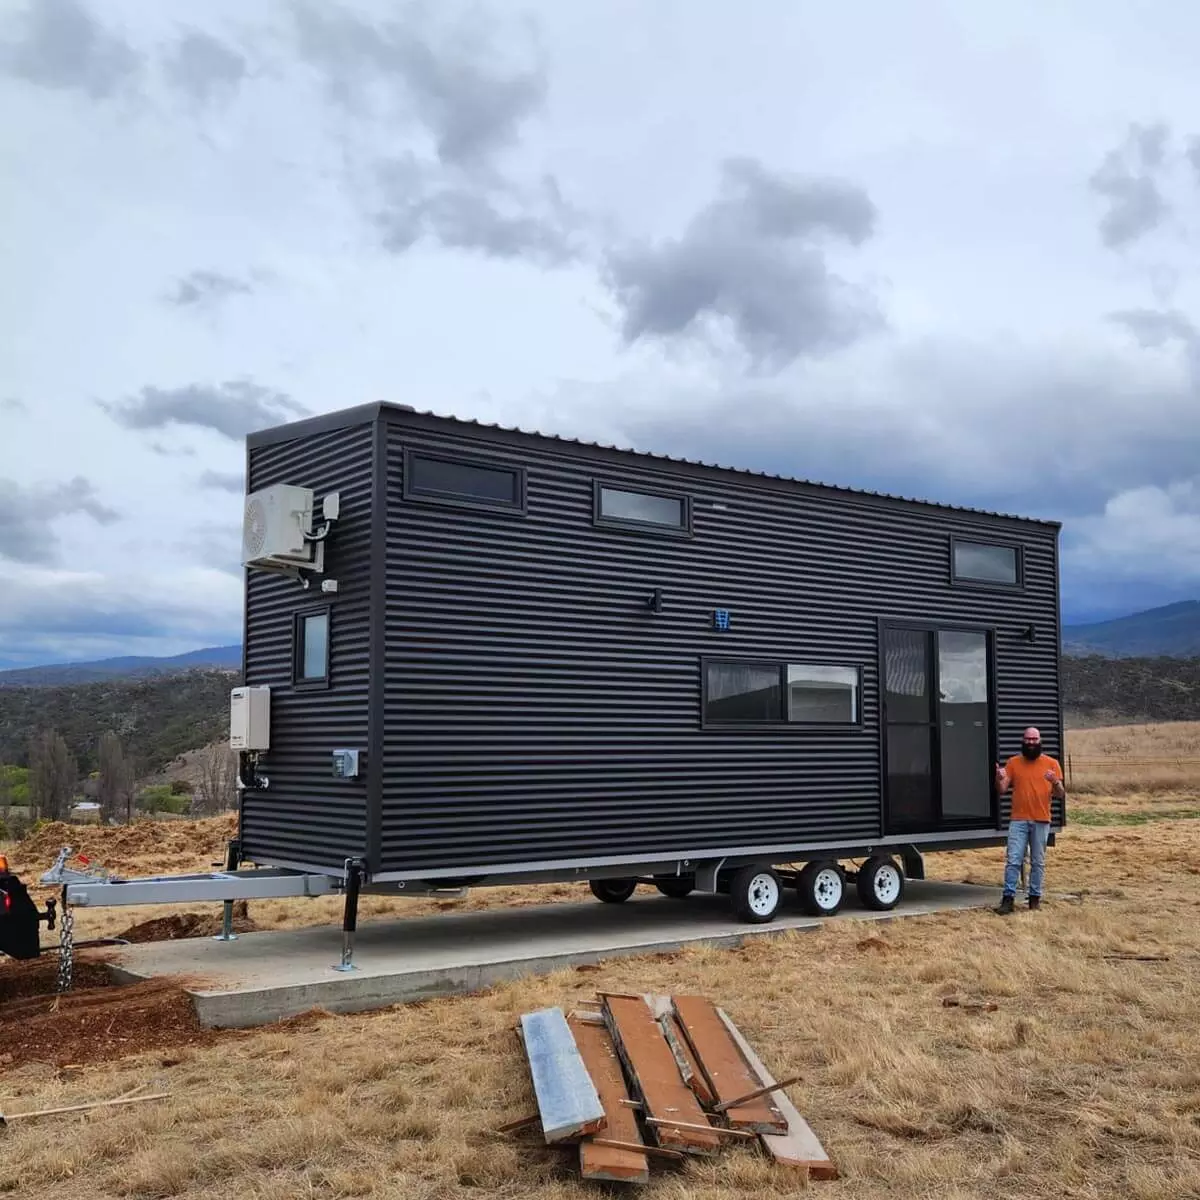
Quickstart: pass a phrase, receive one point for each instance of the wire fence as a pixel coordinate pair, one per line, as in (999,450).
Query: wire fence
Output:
(1113,764)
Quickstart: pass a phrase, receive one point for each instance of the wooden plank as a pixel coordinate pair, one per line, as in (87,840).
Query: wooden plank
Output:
(600,1058)
(729,1075)
(799,1147)
(567,1099)
(737,1134)
(767,1088)
(638,1039)
(688,1067)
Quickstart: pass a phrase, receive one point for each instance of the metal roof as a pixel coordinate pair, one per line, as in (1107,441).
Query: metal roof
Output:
(693,462)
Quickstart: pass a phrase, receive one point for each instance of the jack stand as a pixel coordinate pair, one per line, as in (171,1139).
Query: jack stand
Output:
(354,874)
(232,854)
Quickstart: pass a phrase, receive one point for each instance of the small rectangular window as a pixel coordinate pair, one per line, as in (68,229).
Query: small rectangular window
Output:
(454,480)
(986,562)
(742,692)
(640,510)
(822,695)
(311,655)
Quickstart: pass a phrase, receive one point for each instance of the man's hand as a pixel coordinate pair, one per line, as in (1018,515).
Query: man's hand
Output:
(1001,779)
(1050,777)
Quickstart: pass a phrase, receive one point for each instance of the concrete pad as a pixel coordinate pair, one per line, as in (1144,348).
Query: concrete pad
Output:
(263,977)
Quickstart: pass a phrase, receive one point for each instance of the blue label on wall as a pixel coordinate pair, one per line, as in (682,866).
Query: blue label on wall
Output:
(721,618)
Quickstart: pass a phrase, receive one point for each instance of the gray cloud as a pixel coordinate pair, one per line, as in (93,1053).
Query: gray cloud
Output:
(204,67)
(207,287)
(1156,327)
(232,409)
(27,530)
(452,82)
(1127,180)
(224,481)
(165,451)
(60,45)
(13,405)
(753,259)
(1193,154)
(464,214)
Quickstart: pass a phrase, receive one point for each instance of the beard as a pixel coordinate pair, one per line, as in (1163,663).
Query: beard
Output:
(1033,753)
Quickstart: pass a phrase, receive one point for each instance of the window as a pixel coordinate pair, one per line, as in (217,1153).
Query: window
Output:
(641,510)
(822,695)
(770,693)
(742,692)
(463,481)
(986,562)
(311,653)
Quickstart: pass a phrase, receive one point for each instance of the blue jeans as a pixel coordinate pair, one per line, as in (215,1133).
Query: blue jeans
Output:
(1033,834)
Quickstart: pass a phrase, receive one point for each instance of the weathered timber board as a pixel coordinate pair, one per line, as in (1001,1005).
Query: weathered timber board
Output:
(651,1067)
(799,1146)
(725,1067)
(567,1099)
(600,1058)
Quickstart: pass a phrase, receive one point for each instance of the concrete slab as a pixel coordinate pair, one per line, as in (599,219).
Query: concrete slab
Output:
(263,977)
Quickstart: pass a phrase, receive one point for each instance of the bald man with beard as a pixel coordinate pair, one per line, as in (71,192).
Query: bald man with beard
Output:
(1036,779)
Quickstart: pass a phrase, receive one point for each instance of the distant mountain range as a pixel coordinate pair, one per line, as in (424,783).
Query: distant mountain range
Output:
(1169,632)
(228,658)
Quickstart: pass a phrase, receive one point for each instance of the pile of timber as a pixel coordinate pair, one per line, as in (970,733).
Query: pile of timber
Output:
(638,1079)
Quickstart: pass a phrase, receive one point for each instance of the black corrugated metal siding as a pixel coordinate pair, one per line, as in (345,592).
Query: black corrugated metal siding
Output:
(535,710)
(306,816)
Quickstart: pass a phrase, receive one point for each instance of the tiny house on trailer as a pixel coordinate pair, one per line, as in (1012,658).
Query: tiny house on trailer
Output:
(477,655)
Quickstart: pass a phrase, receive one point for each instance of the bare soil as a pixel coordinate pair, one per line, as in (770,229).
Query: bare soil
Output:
(94,1022)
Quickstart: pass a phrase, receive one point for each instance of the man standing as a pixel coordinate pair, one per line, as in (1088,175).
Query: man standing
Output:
(1035,779)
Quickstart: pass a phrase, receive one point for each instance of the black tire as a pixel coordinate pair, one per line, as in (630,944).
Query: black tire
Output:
(675,886)
(613,891)
(880,883)
(755,892)
(821,887)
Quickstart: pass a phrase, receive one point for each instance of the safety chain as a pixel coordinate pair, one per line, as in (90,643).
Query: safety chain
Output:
(66,949)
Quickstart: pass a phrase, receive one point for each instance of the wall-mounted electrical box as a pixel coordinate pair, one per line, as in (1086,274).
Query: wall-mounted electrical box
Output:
(250,718)
(345,764)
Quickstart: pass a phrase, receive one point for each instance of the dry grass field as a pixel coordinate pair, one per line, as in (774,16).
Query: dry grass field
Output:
(1083,1082)
(1134,759)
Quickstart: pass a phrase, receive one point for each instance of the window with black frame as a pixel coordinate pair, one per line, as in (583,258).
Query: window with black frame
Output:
(786,693)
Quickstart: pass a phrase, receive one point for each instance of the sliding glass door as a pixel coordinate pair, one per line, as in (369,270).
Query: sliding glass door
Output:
(938,705)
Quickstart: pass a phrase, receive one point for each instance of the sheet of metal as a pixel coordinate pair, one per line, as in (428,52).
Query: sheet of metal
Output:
(566,1096)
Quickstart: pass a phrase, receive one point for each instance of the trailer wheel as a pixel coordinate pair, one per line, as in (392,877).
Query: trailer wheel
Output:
(755,892)
(676,886)
(822,888)
(613,891)
(880,883)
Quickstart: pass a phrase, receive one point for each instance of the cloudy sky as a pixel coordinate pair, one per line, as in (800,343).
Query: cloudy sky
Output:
(942,249)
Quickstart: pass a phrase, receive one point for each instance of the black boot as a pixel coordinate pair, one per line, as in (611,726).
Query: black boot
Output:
(1035,902)
(1006,906)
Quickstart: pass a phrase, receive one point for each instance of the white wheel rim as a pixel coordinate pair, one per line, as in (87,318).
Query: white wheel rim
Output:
(827,888)
(887,884)
(764,895)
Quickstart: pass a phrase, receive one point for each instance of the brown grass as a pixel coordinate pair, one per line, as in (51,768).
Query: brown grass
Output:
(1083,1082)
(1145,759)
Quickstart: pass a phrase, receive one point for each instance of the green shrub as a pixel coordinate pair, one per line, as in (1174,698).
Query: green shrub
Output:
(161,798)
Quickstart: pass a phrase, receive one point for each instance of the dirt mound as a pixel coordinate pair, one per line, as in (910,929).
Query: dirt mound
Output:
(95,1021)
(188,925)
(144,847)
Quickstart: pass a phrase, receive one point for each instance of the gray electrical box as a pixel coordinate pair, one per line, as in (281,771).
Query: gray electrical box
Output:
(345,764)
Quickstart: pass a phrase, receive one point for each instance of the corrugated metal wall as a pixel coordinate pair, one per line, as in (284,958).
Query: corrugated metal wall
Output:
(536,710)
(306,816)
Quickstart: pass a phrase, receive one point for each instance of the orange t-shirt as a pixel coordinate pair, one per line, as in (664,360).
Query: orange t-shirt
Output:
(1030,788)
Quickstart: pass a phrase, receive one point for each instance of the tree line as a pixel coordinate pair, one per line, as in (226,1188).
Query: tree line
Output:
(52,784)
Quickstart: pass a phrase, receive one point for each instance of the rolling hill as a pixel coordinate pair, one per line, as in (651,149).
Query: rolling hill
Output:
(1172,631)
(228,658)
